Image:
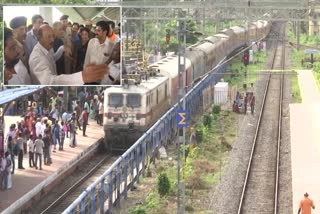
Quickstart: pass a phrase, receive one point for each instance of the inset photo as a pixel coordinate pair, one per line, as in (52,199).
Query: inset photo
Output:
(59,45)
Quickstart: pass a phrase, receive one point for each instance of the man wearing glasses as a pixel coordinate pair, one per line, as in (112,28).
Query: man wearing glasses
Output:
(88,24)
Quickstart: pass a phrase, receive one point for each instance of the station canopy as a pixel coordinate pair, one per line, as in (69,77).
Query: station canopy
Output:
(80,14)
(9,95)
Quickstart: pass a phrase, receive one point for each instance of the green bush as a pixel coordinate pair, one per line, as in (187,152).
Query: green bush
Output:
(199,135)
(207,120)
(163,184)
(216,109)
(138,210)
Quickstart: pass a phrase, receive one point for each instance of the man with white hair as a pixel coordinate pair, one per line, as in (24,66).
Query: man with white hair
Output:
(43,67)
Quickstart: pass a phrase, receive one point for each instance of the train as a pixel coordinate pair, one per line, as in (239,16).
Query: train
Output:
(131,109)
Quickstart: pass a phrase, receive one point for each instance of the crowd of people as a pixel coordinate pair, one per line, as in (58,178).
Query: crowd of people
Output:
(44,131)
(61,53)
(240,104)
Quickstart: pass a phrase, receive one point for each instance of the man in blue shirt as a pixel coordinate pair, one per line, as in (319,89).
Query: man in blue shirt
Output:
(31,39)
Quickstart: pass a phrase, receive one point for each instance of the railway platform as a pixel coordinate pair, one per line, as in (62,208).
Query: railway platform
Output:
(305,142)
(30,183)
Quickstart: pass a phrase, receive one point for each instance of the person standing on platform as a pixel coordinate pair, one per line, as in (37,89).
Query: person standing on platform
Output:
(84,118)
(252,103)
(3,164)
(56,135)
(11,147)
(62,136)
(39,148)
(72,130)
(20,151)
(245,104)
(54,114)
(305,205)
(8,170)
(77,109)
(31,151)
(101,112)
(46,148)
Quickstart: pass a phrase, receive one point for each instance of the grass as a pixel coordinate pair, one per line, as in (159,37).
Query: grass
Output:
(203,167)
(237,68)
(295,90)
(317,78)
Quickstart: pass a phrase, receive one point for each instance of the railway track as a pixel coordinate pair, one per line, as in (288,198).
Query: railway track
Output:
(61,196)
(261,185)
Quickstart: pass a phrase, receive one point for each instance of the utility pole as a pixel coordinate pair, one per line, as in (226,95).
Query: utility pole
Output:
(298,35)
(182,106)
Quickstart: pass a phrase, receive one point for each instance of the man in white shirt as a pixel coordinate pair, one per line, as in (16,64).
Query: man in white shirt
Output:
(113,77)
(43,67)
(99,48)
(38,127)
(15,72)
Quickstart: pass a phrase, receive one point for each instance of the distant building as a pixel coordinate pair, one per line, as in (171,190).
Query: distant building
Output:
(314,22)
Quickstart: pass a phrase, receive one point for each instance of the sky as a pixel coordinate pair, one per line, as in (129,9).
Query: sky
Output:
(9,12)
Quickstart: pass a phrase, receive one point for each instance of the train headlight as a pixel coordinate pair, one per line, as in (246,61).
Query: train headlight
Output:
(124,115)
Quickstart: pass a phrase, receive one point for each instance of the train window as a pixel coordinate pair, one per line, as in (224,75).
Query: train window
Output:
(134,100)
(115,100)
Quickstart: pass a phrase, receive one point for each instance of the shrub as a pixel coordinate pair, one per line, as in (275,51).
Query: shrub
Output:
(163,184)
(138,210)
(153,202)
(195,181)
(207,120)
(216,109)
(199,135)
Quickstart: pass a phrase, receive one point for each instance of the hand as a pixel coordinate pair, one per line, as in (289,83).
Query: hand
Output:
(67,52)
(92,73)
(8,72)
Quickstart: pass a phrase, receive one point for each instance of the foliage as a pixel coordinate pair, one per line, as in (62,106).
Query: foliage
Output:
(138,210)
(153,35)
(295,90)
(70,2)
(316,67)
(186,150)
(207,120)
(216,109)
(195,181)
(163,184)
(317,78)
(199,135)
(153,201)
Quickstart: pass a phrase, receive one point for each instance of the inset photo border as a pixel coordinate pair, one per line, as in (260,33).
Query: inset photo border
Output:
(62,45)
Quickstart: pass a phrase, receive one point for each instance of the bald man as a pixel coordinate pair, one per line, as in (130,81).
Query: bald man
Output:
(43,68)
(88,24)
